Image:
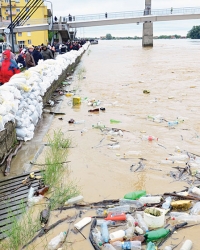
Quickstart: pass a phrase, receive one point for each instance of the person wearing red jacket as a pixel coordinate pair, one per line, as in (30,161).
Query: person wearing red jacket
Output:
(8,67)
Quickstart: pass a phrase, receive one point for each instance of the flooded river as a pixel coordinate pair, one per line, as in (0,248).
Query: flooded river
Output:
(117,73)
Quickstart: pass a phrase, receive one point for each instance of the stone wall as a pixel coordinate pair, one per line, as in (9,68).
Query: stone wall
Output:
(8,135)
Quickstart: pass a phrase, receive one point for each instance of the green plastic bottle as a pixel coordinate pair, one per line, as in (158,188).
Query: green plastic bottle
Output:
(156,234)
(114,121)
(151,246)
(135,195)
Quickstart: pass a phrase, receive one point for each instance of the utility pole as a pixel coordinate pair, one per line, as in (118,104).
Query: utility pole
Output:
(11,28)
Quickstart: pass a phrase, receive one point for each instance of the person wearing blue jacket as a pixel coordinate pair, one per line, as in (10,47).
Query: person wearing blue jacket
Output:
(37,55)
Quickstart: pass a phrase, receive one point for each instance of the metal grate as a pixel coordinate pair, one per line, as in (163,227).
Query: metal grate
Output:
(12,195)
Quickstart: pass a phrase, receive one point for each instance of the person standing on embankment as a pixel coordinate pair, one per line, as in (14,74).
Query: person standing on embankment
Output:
(8,68)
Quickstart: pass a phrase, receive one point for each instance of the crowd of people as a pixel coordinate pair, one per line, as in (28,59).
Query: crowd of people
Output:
(11,64)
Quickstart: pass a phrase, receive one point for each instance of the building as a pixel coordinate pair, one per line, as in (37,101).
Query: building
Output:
(39,16)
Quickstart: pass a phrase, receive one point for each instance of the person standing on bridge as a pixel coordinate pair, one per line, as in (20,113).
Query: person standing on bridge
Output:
(171,10)
(55,19)
(106,15)
(70,18)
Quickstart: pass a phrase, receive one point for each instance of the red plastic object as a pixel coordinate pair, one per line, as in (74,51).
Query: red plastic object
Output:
(116,217)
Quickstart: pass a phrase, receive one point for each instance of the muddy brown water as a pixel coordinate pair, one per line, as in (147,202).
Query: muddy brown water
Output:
(116,73)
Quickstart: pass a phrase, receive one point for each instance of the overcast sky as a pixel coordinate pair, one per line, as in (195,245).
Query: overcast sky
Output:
(84,7)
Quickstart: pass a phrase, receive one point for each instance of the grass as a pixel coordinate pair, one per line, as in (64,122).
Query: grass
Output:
(53,174)
(22,230)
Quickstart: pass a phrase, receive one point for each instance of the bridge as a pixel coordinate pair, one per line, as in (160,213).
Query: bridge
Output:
(127,17)
(66,26)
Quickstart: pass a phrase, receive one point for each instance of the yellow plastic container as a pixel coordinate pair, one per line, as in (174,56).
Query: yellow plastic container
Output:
(76,100)
(68,94)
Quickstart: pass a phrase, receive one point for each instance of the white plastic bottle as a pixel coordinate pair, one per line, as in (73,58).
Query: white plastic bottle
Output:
(195,209)
(142,223)
(31,193)
(139,230)
(196,191)
(108,247)
(54,243)
(83,223)
(178,157)
(119,209)
(74,200)
(132,203)
(79,122)
(114,146)
(167,203)
(132,153)
(168,248)
(187,245)
(130,221)
(150,199)
(190,219)
(97,236)
(175,215)
(129,232)
(117,234)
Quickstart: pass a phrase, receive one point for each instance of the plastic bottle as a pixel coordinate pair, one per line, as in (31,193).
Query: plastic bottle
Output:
(54,243)
(142,223)
(116,217)
(195,191)
(129,245)
(101,212)
(94,110)
(151,246)
(42,191)
(150,199)
(196,209)
(114,121)
(190,219)
(108,247)
(74,200)
(167,203)
(98,126)
(129,232)
(135,195)
(117,234)
(156,234)
(121,133)
(138,230)
(79,122)
(132,203)
(132,153)
(172,123)
(114,146)
(104,232)
(168,248)
(30,193)
(83,223)
(97,237)
(149,138)
(175,215)
(130,221)
(187,245)
(109,222)
(120,209)
(177,158)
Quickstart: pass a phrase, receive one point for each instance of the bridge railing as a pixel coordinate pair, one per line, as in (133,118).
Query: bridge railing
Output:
(131,14)
(28,22)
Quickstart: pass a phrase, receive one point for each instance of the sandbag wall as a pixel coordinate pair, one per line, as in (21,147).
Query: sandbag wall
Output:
(23,97)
